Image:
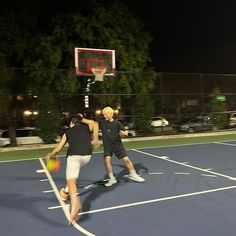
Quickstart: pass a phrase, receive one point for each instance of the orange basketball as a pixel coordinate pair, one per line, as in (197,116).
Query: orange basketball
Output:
(54,164)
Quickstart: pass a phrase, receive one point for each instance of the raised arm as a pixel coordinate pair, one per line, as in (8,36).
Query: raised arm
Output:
(94,127)
(88,122)
(95,141)
(58,148)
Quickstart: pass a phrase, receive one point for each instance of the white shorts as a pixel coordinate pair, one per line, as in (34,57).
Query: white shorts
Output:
(73,165)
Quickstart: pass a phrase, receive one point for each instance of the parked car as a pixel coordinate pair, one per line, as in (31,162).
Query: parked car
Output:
(232,120)
(25,135)
(159,121)
(200,123)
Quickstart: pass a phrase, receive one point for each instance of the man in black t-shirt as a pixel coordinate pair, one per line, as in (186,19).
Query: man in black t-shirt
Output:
(79,152)
(111,130)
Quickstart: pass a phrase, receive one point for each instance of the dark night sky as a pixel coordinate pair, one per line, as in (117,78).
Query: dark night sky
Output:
(196,36)
(191,36)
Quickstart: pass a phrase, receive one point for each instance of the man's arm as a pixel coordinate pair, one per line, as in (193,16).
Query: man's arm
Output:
(95,141)
(88,122)
(58,148)
(124,132)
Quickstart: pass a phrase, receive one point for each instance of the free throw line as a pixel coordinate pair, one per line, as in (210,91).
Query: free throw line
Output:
(187,165)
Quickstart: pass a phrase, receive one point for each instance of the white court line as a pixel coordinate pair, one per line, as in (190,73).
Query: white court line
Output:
(48,191)
(158,200)
(156,173)
(44,180)
(164,157)
(89,186)
(181,173)
(208,175)
(56,207)
(187,165)
(228,144)
(95,183)
(63,205)
(40,171)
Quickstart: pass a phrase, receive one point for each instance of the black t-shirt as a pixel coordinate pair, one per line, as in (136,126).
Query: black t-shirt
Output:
(110,131)
(79,140)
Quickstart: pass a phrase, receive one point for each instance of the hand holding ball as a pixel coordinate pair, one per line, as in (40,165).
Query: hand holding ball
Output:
(54,164)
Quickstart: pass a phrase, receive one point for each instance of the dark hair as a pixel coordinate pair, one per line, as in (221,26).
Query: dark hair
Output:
(75,119)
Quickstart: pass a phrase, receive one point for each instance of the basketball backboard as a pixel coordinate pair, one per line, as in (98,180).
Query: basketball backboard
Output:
(88,58)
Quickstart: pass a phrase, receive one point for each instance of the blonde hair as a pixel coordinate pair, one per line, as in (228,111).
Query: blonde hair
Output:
(107,110)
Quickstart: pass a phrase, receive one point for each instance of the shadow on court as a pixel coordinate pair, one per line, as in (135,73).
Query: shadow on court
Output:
(23,203)
(99,188)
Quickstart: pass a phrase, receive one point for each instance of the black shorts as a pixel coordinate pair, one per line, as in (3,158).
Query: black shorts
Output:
(118,150)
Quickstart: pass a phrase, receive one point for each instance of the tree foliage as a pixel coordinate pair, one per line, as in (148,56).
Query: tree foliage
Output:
(39,41)
(218,108)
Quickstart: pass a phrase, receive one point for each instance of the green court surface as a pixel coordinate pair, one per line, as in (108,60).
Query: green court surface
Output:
(31,152)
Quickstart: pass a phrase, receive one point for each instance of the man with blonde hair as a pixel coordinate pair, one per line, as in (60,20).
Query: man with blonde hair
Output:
(111,130)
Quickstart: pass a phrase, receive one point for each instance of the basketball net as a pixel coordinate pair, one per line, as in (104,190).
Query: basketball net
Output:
(99,72)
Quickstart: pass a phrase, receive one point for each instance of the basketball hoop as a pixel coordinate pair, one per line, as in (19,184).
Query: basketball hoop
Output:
(99,72)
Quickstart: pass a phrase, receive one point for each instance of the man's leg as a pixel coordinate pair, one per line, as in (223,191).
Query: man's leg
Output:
(108,166)
(74,199)
(132,172)
(72,174)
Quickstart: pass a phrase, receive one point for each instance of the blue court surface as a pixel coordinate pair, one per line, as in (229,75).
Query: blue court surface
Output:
(190,190)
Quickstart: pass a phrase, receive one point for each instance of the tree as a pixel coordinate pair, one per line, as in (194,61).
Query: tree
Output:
(48,119)
(105,26)
(144,105)
(16,30)
(40,42)
(218,108)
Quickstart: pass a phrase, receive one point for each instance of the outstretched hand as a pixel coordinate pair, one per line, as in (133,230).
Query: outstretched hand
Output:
(48,156)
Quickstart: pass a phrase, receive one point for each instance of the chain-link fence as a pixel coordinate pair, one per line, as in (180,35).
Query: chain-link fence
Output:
(175,96)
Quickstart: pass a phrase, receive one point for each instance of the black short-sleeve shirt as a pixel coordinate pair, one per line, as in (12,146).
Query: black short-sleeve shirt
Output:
(79,140)
(111,137)
(110,131)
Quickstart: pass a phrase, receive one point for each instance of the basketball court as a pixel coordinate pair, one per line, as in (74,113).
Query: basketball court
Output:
(189,190)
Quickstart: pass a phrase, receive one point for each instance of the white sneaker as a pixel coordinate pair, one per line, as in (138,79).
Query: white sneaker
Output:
(110,182)
(136,177)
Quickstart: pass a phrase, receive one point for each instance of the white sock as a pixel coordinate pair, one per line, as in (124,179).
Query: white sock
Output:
(66,189)
(111,176)
(132,172)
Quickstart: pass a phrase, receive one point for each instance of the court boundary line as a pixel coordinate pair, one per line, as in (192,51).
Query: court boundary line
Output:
(63,205)
(226,144)
(128,149)
(186,165)
(159,200)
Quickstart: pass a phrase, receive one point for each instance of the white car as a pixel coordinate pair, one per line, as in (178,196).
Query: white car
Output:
(232,119)
(159,121)
(26,135)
